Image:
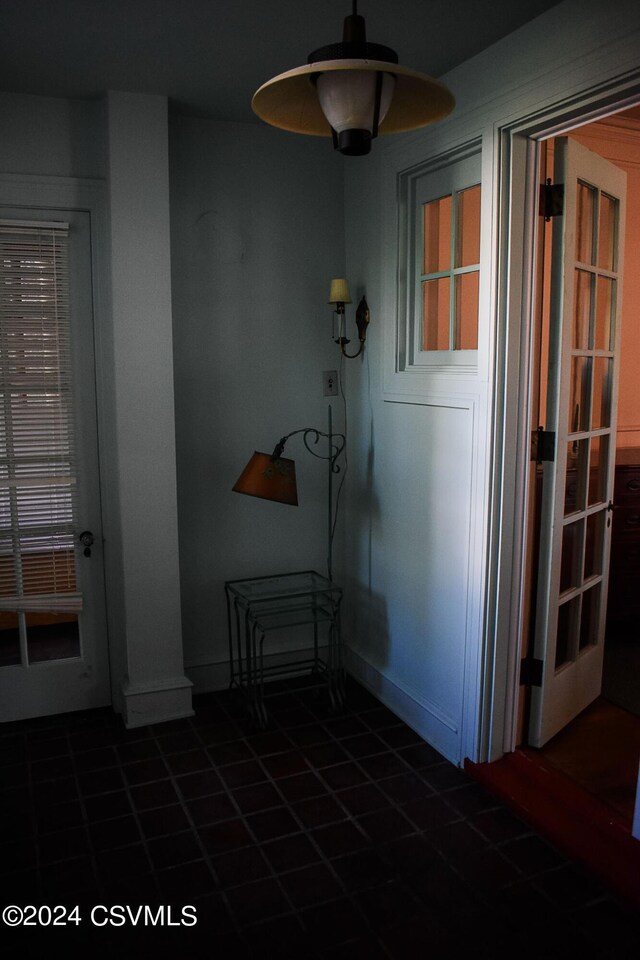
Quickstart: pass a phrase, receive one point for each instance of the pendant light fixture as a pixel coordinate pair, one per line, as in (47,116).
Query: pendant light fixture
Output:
(351,91)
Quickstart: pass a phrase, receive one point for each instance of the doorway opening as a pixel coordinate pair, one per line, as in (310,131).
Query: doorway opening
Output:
(599,748)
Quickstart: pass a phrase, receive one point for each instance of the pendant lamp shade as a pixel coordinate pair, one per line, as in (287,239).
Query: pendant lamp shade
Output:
(351,91)
(290,100)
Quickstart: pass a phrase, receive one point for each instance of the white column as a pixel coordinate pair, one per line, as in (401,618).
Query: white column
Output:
(152,686)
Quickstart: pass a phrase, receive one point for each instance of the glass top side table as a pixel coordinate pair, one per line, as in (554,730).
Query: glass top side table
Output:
(259,606)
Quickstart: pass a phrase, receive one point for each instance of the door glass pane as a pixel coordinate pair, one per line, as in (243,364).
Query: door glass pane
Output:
(571,562)
(582,310)
(580,390)
(605,307)
(467,291)
(601,410)
(435,299)
(574,487)
(590,616)
(594,545)
(51,571)
(437,235)
(598,470)
(584,223)
(52,636)
(468,236)
(566,631)
(9,639)
(607,233)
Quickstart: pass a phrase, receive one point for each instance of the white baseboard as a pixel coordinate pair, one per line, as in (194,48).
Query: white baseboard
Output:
(431,723)
(155,702)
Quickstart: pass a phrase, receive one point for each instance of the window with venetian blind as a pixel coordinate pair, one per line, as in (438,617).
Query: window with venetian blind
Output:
(37,463)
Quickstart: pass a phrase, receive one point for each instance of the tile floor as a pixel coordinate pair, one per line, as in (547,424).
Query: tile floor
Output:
(323,837)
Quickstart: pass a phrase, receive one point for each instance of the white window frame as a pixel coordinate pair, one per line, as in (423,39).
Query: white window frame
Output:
(442,176)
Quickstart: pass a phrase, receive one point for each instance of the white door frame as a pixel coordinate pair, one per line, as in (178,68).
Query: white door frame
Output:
(516,147)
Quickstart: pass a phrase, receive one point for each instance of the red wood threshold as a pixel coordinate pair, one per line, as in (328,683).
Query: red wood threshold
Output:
(577,823)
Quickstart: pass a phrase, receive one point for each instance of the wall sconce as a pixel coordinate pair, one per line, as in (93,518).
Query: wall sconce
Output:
(339,295)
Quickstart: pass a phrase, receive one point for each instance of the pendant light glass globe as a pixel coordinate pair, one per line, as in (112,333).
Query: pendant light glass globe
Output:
(348,99)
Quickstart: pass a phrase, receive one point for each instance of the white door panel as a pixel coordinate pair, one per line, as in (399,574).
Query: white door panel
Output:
(575,533)
(52,660)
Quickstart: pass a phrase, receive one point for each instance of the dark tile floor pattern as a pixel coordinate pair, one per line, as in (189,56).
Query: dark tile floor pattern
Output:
(323,837)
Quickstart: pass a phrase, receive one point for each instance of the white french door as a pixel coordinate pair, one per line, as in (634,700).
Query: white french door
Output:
(582,389)
(53,637)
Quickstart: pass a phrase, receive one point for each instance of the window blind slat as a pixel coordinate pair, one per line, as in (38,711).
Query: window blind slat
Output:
(38,483)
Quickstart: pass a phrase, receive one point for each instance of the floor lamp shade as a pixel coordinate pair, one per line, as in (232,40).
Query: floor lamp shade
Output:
(269,479)
(271,476)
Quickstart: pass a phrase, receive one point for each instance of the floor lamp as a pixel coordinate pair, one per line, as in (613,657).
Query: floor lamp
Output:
(273,477)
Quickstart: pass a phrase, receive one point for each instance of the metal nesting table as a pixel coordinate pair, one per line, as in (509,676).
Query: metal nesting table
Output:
(261,605)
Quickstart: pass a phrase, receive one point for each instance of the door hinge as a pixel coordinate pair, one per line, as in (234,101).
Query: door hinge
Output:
(531,672)
(551,200)
(543,445)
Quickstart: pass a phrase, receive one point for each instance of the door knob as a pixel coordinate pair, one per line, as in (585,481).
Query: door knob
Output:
(86,538)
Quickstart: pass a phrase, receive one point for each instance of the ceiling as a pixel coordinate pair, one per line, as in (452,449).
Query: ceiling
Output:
(209,56)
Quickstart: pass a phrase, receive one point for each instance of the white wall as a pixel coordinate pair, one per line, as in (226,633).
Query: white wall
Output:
(412,518)
(51,136)
(422,596)
(258,230)
(257,234)
(122,155)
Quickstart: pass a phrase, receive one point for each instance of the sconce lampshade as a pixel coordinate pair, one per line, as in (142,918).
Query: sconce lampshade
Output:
(339,292)
(269,479)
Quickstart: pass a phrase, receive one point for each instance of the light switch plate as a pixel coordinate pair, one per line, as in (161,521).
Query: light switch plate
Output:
(330,383)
